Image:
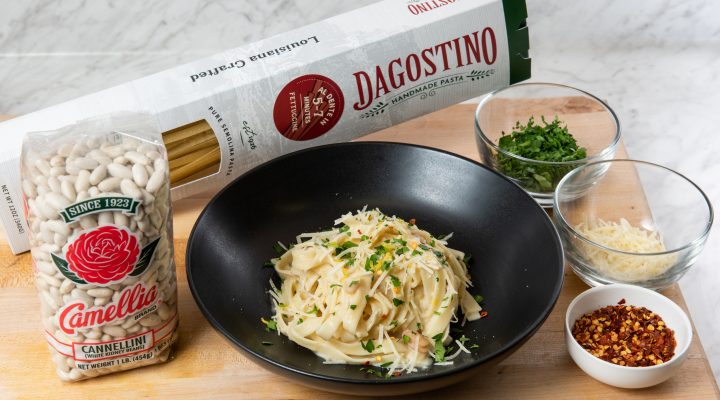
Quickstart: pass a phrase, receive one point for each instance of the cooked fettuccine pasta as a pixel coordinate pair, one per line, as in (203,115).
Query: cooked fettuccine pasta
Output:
(375,289)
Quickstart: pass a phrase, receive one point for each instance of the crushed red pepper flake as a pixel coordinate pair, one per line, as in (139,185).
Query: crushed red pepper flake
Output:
(625,335)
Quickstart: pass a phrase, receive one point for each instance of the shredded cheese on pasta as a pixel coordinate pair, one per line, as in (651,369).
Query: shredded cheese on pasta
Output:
(625,237)
(373,290)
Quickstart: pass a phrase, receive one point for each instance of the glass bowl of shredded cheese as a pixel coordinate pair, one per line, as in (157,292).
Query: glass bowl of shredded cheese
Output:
(627,221)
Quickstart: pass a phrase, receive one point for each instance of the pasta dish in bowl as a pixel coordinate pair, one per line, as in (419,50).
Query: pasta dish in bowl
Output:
(412,270)
(376,290)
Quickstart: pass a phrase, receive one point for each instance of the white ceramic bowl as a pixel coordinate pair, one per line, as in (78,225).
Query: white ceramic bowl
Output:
(618,375)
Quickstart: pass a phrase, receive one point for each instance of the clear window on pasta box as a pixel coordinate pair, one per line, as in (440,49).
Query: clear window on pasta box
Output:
(193,151)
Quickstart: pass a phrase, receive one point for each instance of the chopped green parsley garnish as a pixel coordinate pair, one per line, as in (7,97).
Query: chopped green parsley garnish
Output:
(353,306)
(395,281)
(479,298)
(270,325)
(278,247)
(344,247)
(439,348)
(375,372)
(369,346)
(400,241)
(314,311)
(397,302)
(370,262)
(406,339)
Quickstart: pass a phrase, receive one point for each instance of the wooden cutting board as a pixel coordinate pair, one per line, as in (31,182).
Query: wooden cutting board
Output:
(205,365)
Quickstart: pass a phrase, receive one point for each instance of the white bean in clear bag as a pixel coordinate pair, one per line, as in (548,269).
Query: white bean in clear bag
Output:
(98,204)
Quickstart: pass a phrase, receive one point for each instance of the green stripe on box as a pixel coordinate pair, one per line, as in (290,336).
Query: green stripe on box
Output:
(518,40)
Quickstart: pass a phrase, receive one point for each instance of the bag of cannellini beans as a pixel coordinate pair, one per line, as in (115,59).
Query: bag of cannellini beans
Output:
(98,206)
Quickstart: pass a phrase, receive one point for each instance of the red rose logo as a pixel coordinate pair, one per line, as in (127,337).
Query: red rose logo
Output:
(103,255)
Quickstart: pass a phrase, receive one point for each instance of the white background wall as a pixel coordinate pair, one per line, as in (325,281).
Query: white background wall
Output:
(657,63)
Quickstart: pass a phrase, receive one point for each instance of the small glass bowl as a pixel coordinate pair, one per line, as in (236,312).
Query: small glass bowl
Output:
(592,123)
(648,199)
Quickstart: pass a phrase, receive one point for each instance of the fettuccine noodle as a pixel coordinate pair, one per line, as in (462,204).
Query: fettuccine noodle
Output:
(374,290)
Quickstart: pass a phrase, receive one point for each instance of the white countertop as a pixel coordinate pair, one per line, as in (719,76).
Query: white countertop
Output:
(657,63)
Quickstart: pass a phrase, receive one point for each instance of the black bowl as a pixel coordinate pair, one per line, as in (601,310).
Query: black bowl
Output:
(518,258)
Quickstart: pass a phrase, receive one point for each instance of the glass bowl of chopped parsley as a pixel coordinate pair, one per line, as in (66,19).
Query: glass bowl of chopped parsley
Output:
(535,133)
